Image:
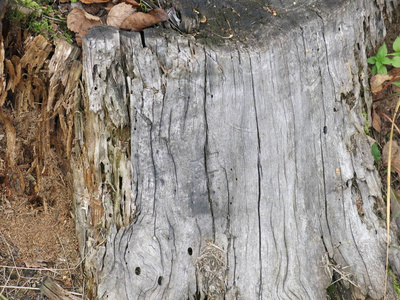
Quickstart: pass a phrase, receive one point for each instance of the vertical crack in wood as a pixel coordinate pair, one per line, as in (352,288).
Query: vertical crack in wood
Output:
(259,178)
(205,148)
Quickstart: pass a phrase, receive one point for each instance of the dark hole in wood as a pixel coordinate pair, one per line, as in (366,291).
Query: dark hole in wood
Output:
(102,168)
(137,271)
(160,280)
(335,109)
(110,215)
(95,88)
(120,182)
(190,251)
(325,129)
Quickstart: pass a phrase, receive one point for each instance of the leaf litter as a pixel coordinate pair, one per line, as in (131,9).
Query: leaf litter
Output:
(127,15)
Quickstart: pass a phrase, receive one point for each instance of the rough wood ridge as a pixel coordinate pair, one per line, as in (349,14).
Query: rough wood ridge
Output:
(233,171)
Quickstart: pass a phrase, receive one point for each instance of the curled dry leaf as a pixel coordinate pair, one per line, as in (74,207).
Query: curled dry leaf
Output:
(92,17)
(140,20)
(80,22)
(377,81)
(395,156)
(119,13)
(376,120)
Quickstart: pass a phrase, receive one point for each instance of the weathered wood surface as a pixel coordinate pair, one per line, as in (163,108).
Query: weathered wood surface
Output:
(234,171)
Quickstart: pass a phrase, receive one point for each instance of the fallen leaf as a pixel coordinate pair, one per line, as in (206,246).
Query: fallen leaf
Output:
(91,17)
(395,156)
(94,1)
(119,13)
(377,81)
(132,2)
(80,22)
(376,120)
(140,20)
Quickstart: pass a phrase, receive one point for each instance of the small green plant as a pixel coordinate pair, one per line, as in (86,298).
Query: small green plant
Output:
(39,17)
(396,284)
(376,153)
(383,58)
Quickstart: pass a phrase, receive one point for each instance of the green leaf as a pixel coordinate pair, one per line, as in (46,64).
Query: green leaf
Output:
(381,69)
(396,83)
(374,70)
(375,152)
(382,52)
(396,61)
(396,45)
(386,61)
(371,60)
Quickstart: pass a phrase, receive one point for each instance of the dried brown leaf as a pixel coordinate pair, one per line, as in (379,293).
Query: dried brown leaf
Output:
(119,13)
(395,156)
(94,1)
(376,121)
(92,17)
(132,2)
(140,20)
(377,81)
(78,21)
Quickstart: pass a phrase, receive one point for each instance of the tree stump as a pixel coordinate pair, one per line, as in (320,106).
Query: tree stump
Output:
(234,165)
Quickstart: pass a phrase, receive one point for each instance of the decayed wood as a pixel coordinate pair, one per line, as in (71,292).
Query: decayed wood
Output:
(53,291)
(234,171)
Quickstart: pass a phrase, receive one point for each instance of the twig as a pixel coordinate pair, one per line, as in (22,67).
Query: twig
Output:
(9,250)
(387,117)
(65,255)
(31,288)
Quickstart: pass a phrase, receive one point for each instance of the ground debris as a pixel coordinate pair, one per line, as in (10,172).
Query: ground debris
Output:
(37,235)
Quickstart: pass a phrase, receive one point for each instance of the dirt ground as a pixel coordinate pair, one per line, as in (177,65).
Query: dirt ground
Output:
(37,239)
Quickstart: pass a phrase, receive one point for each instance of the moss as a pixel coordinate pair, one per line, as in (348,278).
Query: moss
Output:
(38,17)
(331,292)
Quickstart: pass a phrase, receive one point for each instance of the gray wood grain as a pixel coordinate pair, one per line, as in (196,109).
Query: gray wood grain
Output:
(245,176)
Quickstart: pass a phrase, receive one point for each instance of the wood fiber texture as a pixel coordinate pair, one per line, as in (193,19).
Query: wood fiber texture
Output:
(234,171)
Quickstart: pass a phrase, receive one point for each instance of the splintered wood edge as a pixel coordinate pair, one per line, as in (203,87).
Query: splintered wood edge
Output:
(52,290)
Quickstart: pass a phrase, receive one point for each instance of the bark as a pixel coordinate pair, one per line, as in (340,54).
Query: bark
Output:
(235,169)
